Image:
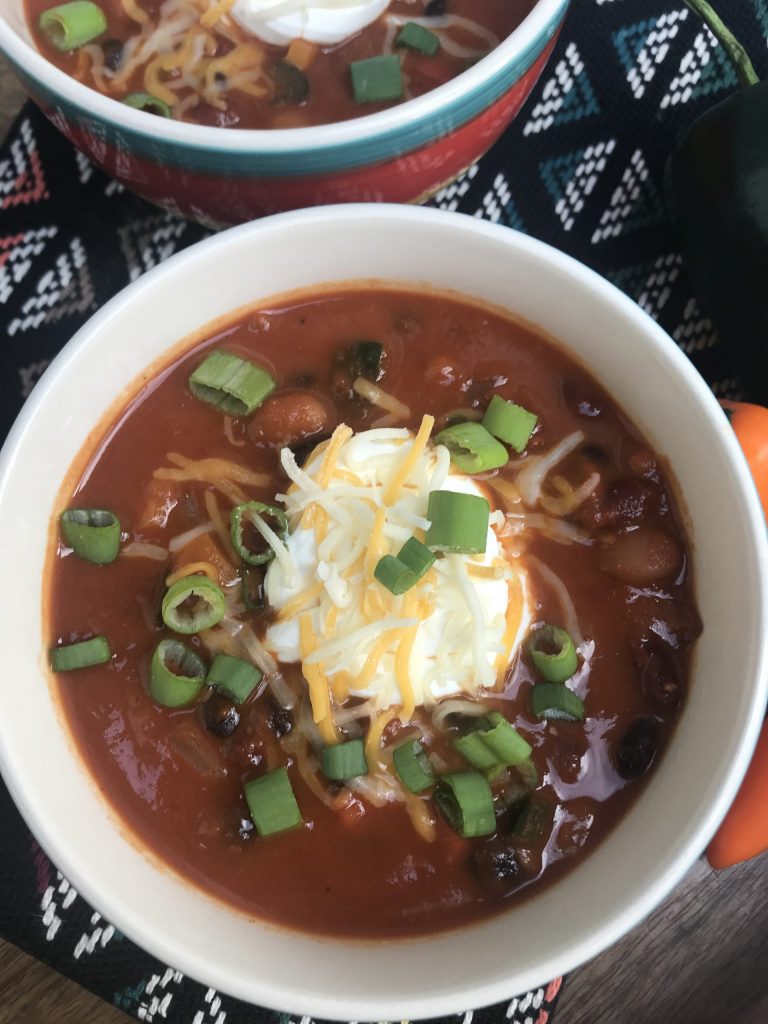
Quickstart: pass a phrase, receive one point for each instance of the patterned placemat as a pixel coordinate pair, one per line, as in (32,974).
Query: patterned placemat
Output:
(580,168)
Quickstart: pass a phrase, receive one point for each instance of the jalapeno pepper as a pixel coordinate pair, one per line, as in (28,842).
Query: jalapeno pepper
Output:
(716,190)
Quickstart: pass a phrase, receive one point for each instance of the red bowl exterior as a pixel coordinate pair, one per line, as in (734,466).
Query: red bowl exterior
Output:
(220,198)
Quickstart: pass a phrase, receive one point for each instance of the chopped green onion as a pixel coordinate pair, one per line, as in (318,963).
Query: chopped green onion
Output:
(377,79)
(237,679)
(529,776)
(509,422)
(232,384)
(69,26)
(555,700)
(416,37)
(394,575)
(493,742)
(193,604)
(255,513)
(531,821)
(345,760)
(177,674)
(459,522)
(92,533)
(80,655)
(553,653)
(466,802)
(413,766)
(398,573)
(147,102)
(271,802)
(472,448)
(417,557)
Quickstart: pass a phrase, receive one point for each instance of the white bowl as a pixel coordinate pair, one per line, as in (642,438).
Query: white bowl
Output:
(687,795)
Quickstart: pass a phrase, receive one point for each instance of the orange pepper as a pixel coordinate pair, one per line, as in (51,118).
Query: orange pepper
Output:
(744,832)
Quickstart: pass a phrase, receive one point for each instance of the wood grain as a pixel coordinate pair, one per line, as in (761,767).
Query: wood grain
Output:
(701,958)
(31,993)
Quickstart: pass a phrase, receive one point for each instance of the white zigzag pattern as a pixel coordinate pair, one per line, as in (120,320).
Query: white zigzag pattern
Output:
(554,93)
(99,936)
(495,201)
(212,1013)
(147,242)
(448,198)
(623,199)
(695,333)
(21,257)
(658,285)
(583,181)
(56,898)
(690,71)
(11,169)
(64,289)
(158,1005)
(654,51)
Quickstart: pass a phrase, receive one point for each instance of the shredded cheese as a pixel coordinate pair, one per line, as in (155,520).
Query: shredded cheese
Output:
(192,569)
(319,694)
(410,460)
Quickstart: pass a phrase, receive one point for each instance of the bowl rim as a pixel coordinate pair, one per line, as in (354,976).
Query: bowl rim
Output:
(696,835)
(538,24)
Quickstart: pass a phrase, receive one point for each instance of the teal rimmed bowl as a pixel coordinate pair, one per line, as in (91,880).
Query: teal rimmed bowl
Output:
(228,175)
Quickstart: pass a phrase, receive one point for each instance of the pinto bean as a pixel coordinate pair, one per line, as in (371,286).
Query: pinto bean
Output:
(641,557)
(290,418)
(623,503)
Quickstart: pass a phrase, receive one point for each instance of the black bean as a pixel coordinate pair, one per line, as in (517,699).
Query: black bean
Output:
(436,8)
(658,679)
(496,865)
(280,721)
(291,84)
(220,715)
(113,53)
(637,748)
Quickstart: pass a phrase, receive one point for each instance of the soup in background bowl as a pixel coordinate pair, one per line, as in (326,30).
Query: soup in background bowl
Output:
(382,254)
(267,146)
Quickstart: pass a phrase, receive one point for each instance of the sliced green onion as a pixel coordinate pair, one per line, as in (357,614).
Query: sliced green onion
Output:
(555,700)
(255,514)
(377,79)
(193,604)
(459,522)
(417,557)
(493,742)
(476,752)
(394,575)
(147,102)
(413,766)
(232,384)
(472,448)
(80,655)
(177,674)
(72,25)
(234,677)
(466,802)
(528,773)
(509,422)
(532,820)
(416,37)
(398,573)
(553,653)
(271,802)
(345,760)
(92,533)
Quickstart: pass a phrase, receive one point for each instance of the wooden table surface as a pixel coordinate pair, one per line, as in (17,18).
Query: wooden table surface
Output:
(702,958)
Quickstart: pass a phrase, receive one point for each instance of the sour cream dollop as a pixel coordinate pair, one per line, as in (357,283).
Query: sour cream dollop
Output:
(470,613)
(280,21)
